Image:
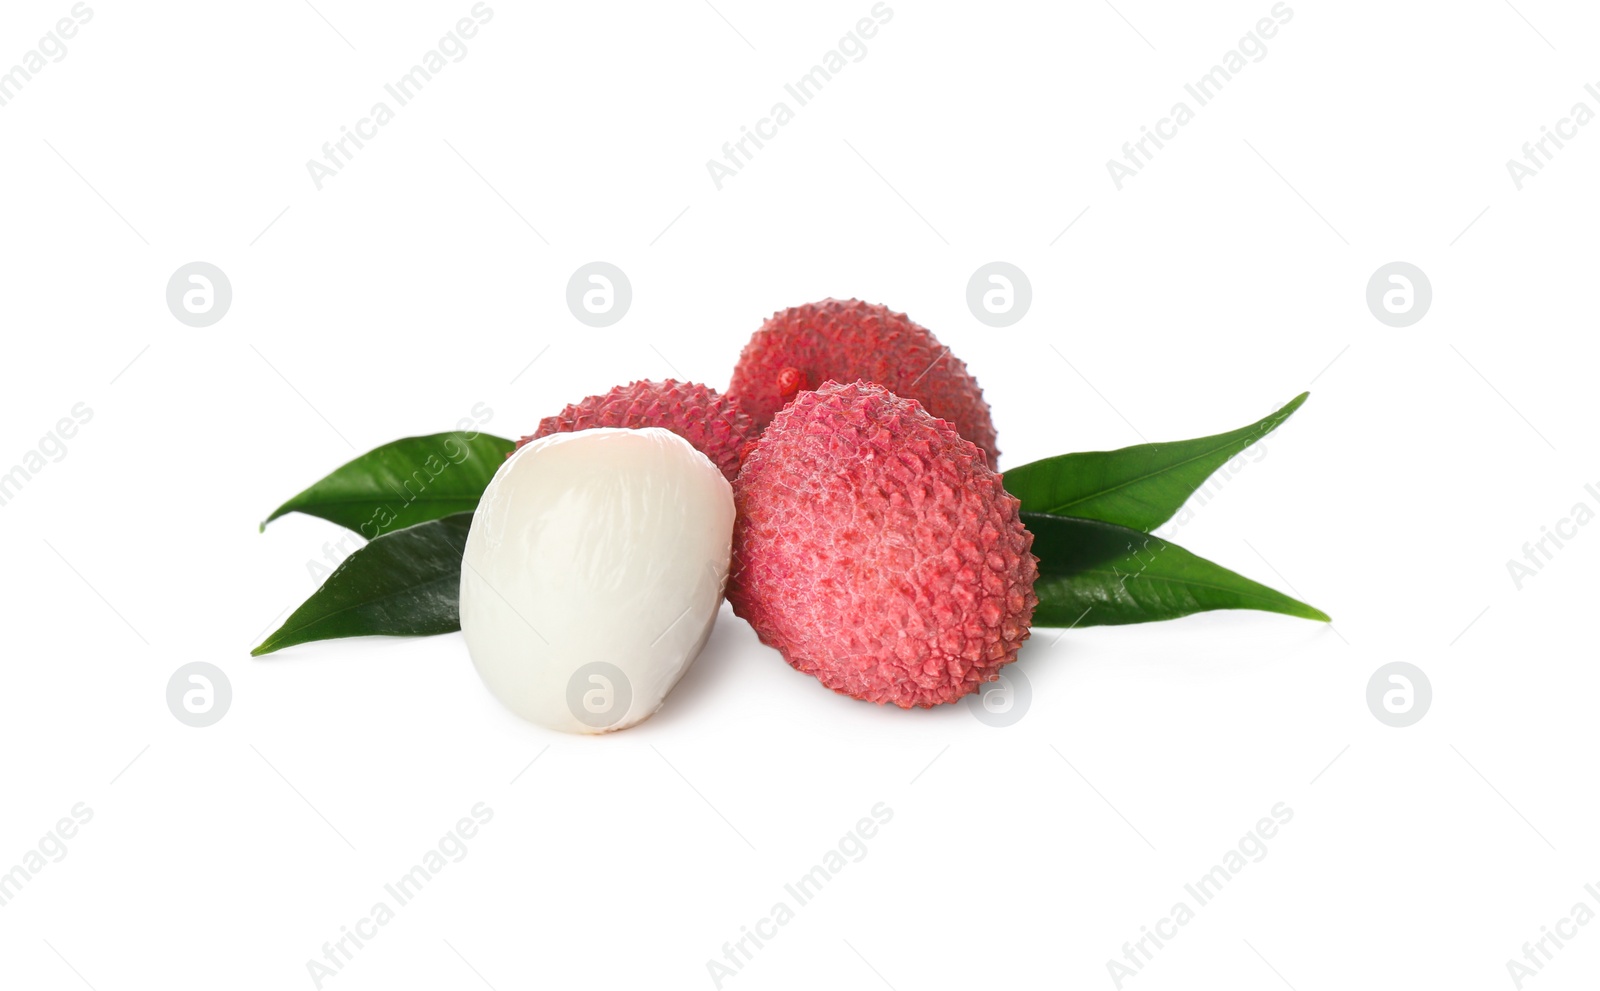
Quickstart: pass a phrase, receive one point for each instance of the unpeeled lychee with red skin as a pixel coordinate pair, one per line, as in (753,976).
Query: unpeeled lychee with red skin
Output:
(875,548)
(844,340)
(716,425)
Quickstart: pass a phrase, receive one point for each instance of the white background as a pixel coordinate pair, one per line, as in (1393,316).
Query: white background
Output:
(1227,277)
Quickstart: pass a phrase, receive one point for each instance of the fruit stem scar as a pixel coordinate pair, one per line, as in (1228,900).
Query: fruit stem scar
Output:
(790,381)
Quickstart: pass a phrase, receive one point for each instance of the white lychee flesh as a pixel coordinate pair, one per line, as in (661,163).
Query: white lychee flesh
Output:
(593,573)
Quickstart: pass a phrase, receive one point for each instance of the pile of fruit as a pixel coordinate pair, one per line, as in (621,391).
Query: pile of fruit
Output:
(842,495)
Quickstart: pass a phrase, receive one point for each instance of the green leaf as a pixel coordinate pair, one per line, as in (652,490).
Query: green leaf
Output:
(404,583)
(407,482)
(1139,487)
(1093,573)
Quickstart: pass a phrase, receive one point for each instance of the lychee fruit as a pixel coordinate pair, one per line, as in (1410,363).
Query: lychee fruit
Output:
(876,549)
(593,575)
(716,425)
(843,340)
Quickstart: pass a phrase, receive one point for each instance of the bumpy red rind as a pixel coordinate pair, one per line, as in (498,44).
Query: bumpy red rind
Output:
(716,425)
(876,549)
(844,340)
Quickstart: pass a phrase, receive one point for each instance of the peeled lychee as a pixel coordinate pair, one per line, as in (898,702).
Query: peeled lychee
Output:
(876,549)
(593,574)
(843,340)
(716,425)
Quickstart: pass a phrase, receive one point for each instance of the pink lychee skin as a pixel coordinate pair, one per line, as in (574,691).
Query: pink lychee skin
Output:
(875,548)
(716,425)
(804,346)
